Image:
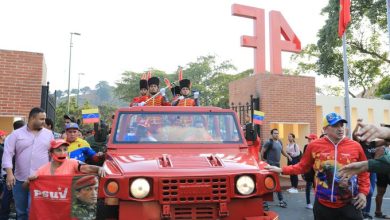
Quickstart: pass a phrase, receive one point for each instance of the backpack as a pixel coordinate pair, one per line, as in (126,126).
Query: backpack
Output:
(269,145)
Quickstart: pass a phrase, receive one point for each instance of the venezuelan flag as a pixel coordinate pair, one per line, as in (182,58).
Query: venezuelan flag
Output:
(90,115)
(258,117)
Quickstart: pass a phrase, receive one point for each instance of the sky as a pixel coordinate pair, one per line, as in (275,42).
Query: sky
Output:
(123,35)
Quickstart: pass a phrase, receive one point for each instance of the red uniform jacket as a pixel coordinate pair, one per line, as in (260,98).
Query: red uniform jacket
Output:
(157,101)
(139,99)
(326,159)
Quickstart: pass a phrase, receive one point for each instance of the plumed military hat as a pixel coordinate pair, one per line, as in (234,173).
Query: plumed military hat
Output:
(185,83)
(143,84)
(175,90)
(153,80)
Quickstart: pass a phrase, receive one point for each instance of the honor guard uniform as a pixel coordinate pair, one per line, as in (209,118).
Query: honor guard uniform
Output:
(185,90)
(160,99)
(143,90)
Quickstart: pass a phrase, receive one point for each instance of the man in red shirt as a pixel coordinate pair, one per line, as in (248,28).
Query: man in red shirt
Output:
(158,100)
(143,91)
(184,99)
(336,198)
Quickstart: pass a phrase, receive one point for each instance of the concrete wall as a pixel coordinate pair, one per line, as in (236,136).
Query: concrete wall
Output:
(373,111)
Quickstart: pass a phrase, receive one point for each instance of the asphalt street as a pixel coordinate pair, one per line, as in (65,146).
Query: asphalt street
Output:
(296,206)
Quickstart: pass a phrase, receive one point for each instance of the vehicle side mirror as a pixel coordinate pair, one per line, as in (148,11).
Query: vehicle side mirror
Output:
(250,134)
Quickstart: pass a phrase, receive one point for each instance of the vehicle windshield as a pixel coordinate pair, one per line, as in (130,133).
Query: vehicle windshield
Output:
(205,128)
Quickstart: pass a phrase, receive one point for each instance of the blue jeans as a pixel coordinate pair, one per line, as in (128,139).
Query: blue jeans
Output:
(367,209)
(5,202)
(21,198)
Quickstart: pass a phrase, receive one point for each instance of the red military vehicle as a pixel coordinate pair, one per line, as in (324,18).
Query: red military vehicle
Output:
(183,163)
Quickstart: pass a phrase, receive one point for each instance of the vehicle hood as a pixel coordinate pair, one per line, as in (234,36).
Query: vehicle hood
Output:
(188,163)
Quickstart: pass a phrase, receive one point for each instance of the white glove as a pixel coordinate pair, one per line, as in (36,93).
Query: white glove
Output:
(162,91)
(181,97)
(141,104)
(196,95)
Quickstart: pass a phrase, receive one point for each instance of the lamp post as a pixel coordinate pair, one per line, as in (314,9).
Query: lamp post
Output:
(78,87)
(70,61)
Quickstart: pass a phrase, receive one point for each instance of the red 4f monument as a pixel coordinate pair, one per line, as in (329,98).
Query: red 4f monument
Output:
(289,102)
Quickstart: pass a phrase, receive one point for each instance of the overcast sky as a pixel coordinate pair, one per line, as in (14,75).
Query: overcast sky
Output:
(135,35)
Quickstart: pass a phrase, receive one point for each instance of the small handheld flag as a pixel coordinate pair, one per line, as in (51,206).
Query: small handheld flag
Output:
(90,115)
(258,117)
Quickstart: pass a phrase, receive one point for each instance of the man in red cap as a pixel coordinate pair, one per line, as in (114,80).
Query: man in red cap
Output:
(85,190)
(336,197)
(309,176)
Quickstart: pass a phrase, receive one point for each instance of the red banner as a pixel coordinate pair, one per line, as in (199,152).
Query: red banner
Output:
(64,197)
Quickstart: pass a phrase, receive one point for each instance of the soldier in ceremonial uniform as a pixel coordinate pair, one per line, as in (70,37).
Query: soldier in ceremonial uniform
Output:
(184,99)
(84,201)
(160,99)
(143,90)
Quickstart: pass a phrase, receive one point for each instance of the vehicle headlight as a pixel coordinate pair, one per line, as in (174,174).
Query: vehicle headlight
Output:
(140,188)
(245,185)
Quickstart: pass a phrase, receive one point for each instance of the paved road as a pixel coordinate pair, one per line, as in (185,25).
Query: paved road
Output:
(296,206)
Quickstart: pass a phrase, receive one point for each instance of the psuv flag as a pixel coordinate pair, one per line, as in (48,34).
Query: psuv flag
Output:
(64,197)
(90,115)
(258,117)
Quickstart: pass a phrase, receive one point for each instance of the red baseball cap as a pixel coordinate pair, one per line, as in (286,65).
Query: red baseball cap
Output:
(85,181)
(57,143)
(311,136)
(2,133)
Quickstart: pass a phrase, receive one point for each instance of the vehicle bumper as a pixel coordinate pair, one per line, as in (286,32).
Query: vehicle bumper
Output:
(236,209)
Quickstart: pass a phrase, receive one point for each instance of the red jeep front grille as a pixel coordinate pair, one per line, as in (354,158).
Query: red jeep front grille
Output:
(186,190)
(194,212)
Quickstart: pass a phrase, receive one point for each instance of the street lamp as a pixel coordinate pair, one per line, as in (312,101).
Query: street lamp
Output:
(78,87)
(70,60)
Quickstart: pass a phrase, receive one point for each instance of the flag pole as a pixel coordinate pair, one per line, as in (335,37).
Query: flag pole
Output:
(346,89)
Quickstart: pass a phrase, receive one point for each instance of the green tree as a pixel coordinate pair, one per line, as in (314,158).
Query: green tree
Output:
(367,59)
(383,87)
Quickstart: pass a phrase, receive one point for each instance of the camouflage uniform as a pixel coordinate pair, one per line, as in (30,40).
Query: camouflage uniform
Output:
(83,211)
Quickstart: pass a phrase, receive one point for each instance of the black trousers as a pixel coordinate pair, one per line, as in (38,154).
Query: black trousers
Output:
(348,212)
(294,178)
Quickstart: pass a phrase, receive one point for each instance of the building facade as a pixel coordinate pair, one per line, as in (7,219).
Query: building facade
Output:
(22,77)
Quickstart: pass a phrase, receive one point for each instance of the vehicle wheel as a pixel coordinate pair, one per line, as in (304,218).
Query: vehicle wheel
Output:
(106,211)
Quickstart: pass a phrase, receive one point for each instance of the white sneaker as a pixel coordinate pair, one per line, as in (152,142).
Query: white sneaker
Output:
(309,206)
(293,190)
(288,190)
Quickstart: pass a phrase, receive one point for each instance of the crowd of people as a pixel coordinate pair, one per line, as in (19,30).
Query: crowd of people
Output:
(337,167)
(34,149)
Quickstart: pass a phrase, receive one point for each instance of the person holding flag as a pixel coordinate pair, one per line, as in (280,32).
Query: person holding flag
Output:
(62,165)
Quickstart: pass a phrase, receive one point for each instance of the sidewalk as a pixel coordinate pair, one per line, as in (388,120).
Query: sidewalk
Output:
(286,184)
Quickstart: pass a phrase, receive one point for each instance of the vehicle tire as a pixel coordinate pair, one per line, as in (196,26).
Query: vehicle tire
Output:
(106,211)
